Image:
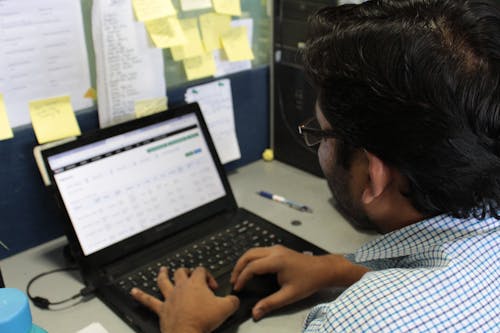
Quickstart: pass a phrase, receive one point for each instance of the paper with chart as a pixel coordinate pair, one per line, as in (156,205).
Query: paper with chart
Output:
(216,104)
(128,67)
(43,54)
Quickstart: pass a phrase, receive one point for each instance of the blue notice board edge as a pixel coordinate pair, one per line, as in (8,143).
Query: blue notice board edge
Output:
(29,215)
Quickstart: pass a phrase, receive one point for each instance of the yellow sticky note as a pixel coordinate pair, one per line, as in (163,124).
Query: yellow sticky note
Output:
(147,107)
(212,25)
(236,45)
(194,46)
(53,119)
(199,67)
(229,7)
(146,10)
(166,32)
(91,93)
(5,130)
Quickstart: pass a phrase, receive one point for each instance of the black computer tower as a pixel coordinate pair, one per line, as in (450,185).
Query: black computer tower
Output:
(292,96)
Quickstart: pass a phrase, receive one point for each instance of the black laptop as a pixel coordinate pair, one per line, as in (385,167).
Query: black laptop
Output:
(150,193)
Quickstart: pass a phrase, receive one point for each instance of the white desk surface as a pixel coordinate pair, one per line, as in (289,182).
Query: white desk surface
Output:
(325,227)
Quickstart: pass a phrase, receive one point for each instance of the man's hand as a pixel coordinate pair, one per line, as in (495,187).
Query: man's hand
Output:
(190,306)
(299,275)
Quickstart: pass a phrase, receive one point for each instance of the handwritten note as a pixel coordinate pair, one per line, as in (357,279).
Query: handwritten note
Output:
(229,7)
(236,45)
(212,25)
(53,119)
(216,104)
(148,107)
(199,67)
(128,67)
(187,5)
(194,46)
(5,129)
(43,54)
(166,32)
(146,10)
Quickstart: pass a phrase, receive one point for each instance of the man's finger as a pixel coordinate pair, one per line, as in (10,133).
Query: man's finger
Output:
(164,282)
(201,275)
(282,297)
(256,267)
(147,300)
(247,257)
(212,283)
(182,274)
(229,304)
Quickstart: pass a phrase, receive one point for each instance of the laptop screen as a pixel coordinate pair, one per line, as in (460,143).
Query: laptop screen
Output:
(122,185)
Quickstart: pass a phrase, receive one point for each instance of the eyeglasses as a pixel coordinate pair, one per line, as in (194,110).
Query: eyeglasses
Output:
(312,133)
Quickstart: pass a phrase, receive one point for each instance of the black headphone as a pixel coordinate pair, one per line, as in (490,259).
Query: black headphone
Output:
(44,303)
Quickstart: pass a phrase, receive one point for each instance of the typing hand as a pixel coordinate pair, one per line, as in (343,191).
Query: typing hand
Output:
(299,275)
(190,305)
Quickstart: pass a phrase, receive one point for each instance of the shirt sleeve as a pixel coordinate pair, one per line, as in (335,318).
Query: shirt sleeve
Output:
(380,301)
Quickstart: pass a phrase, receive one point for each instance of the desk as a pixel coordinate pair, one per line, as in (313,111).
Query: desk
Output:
(325,227)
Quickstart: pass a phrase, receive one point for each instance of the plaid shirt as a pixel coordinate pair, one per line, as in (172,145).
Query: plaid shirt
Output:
(438,275)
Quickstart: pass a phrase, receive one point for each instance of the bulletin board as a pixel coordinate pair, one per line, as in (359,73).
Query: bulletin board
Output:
(258,10)
(29,215)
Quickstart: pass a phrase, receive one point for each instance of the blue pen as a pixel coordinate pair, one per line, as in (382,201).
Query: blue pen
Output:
(289,203)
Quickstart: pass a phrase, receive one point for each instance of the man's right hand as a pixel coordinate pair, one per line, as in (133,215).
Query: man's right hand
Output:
(299,275)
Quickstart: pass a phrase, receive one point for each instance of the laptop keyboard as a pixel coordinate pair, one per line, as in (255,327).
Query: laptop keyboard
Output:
(218,253)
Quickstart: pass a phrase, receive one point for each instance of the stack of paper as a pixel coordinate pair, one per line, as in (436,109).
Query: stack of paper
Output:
(216,104)
(128,68)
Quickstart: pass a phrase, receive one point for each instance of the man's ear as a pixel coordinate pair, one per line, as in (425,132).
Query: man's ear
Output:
(379,178)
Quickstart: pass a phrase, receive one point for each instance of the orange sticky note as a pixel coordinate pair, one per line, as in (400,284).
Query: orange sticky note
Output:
(91,93)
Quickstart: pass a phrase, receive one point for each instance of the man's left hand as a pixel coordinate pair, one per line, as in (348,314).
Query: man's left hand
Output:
(190,306)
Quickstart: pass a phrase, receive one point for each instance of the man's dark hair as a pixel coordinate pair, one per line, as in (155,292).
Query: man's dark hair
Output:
(417,83)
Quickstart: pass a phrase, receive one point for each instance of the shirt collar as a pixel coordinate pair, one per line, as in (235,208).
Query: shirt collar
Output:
(422,235)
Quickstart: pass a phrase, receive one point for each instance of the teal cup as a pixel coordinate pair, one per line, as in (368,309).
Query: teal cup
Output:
(15,314)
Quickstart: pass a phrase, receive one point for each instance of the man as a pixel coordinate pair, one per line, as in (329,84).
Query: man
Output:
(408,117)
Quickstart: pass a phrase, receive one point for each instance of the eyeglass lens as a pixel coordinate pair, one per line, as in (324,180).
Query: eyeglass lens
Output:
(314,137)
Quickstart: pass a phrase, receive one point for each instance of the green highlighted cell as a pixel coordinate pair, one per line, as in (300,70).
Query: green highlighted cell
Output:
(173,142)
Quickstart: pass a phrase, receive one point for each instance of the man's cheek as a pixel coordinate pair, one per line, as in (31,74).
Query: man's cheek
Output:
(326,158)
